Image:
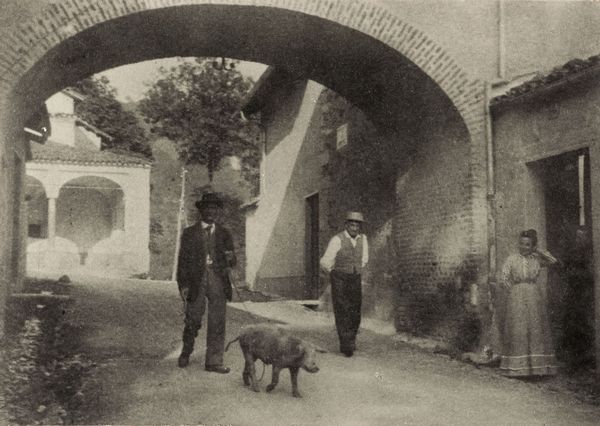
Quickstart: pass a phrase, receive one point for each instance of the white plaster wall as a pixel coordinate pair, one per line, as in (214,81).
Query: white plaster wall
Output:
(59,103)
(118,248)
(261,224)
(61,109)
(62,130)
(93,139)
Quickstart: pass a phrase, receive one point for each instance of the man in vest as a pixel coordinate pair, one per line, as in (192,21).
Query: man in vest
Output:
(205,258)
(344,260)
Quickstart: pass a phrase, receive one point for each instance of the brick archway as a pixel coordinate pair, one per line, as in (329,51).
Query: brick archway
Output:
(19,51)
(362,51)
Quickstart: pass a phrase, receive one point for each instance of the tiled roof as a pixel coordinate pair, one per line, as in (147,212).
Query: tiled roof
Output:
(560,74)
(52,152)
(93,129)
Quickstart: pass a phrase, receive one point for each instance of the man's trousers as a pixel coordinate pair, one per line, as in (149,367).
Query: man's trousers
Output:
(346,296)
(211,290)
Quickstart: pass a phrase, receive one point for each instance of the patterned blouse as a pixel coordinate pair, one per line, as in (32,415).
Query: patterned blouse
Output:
(524,269)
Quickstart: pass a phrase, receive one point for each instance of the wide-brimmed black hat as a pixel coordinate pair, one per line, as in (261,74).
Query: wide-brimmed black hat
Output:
(209,198)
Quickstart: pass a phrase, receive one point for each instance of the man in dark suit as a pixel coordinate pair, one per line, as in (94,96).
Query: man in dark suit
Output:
(205,257)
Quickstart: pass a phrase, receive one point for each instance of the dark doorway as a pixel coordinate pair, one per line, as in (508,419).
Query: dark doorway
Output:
(311,286)
(567,194)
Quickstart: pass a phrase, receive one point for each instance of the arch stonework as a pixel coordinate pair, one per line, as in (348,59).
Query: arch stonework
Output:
(27,43)
(20,50)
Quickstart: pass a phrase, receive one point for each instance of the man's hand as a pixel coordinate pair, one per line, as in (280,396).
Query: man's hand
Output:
(184,293)
(229,257)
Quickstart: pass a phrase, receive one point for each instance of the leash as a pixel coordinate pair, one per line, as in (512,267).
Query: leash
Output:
(237,291)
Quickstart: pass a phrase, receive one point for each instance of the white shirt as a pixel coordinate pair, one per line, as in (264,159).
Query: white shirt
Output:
(335,244)
(212,230)
(206,225)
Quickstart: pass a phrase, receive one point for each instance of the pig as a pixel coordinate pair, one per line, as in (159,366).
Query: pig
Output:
(274,345)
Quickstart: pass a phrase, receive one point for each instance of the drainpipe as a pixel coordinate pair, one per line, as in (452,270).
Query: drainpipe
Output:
(491,193)
(501,50)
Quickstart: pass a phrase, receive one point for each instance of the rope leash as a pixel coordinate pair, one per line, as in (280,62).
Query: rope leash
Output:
(232,281)
(237,291)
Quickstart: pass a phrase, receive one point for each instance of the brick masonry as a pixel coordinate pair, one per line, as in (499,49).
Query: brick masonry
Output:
(21,49)
(414,187)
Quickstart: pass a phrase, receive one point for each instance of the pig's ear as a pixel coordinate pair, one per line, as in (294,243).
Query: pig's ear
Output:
(299,352)
(311,346)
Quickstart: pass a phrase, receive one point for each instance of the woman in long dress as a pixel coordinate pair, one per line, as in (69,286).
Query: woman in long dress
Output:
(528,348)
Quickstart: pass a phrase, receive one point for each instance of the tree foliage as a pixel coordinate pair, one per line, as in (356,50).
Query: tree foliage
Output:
(102,109)
(198,107)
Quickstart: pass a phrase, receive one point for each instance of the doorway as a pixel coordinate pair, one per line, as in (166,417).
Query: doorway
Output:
(567,195)
(311,285)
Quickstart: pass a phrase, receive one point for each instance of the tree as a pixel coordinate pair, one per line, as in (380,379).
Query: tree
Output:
(198,107)
(102,109)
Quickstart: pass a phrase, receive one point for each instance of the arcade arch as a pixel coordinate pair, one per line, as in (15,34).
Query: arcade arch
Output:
(392,71)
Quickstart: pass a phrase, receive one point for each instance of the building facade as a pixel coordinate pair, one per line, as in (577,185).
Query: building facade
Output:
(322,157)
(88,211)
(547,145)
(416,69)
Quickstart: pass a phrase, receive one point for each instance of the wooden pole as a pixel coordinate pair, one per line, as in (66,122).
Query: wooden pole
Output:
(179,215)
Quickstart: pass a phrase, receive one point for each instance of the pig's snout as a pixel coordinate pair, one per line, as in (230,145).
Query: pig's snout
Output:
(311,367)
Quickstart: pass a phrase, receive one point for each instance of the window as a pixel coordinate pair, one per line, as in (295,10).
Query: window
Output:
(34,230)
(342,136)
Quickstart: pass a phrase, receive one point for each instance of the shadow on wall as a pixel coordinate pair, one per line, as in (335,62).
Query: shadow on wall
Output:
(444,310)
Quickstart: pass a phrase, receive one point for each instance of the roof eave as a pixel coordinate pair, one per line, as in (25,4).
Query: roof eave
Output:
(270,80)
(505,101)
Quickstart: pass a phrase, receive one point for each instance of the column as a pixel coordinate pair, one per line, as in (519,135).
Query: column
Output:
(51,221)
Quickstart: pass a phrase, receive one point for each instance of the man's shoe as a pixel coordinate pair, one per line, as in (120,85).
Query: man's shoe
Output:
(183,361)
(217,369)
(347,352)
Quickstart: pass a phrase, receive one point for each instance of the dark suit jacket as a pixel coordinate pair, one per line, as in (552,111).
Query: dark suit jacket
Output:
(192,259)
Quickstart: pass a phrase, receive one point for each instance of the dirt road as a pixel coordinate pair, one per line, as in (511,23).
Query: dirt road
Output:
(132,329)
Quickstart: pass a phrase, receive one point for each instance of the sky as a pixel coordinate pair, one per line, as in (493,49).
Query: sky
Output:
(131,80)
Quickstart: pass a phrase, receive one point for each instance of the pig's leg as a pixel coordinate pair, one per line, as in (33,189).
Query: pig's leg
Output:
(294,377)
(246,373)
(274,378)
(250,371)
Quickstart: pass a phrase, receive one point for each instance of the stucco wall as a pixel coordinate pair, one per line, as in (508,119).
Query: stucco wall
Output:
(527,135)
(102,211)
(547,126)
(275,230)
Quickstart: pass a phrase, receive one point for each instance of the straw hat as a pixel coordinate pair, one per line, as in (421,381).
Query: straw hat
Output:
(355,217)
